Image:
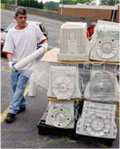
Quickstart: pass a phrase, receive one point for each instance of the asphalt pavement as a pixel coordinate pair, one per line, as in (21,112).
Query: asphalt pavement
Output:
(23,133)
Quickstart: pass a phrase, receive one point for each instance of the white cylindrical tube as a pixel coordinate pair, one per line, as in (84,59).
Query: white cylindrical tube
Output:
(33,86)
(29,58)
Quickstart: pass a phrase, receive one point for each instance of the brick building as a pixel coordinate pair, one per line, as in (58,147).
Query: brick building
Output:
(92,13)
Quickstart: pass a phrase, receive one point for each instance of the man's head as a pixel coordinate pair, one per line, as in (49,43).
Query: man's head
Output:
(21,16)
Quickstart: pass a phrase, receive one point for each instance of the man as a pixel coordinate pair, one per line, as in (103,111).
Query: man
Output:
(21,41)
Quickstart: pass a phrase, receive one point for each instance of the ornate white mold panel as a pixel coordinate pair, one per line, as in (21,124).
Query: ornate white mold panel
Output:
(73,41)
(103,87)
(105,43)
(64,82)
(61,114)
(97,120)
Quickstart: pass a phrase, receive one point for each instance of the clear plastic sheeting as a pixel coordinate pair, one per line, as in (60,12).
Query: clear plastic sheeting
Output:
(84,75)
(102,87)
(40,73)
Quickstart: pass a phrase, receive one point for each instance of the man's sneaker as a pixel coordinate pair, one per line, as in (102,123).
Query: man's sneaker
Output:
(22,109)
(10,118)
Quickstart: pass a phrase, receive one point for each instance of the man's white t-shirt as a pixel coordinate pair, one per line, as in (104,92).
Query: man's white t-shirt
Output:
(22,42)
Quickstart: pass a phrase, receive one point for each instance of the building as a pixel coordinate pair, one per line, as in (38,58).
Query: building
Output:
(92,13)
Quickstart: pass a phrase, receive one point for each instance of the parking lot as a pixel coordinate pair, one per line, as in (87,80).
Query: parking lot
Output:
(23,133)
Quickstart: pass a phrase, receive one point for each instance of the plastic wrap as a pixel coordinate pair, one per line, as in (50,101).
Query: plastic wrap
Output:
(32,88)
(102,87)
(27,60)
(41,71)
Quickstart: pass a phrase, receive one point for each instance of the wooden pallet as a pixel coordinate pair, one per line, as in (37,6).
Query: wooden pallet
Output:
(62,100)
(51,56)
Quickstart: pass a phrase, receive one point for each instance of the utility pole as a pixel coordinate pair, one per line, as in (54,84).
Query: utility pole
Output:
(114,12)
(61,7)
(15,2)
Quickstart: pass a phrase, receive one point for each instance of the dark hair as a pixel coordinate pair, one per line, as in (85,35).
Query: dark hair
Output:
(20,10)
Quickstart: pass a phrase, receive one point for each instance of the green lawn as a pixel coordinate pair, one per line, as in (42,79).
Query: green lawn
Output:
(2,6)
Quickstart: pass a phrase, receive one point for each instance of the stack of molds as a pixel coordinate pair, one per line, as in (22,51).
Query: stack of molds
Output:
(63,85)
(73,42)
(64,82)
(98,115)
(104,45)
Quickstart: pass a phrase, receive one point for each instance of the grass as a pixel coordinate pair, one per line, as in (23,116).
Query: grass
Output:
(2,6)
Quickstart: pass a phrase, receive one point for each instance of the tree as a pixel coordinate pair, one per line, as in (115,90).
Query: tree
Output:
(109,2)
(41,5)
(30,3)
(8,1)
(2,1)
(73,2)
(84,1)
(11,1)
(51,5)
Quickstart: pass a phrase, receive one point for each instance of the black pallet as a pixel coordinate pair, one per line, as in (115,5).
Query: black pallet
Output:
(106,141)
(46,129)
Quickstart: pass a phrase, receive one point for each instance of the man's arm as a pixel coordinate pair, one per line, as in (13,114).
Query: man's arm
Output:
(44,44)
(8,49)
(46,41)
(10,60)
(9,57)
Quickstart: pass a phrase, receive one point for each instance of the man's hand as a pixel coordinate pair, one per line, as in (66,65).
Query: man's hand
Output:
(45,46)
(10,64)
